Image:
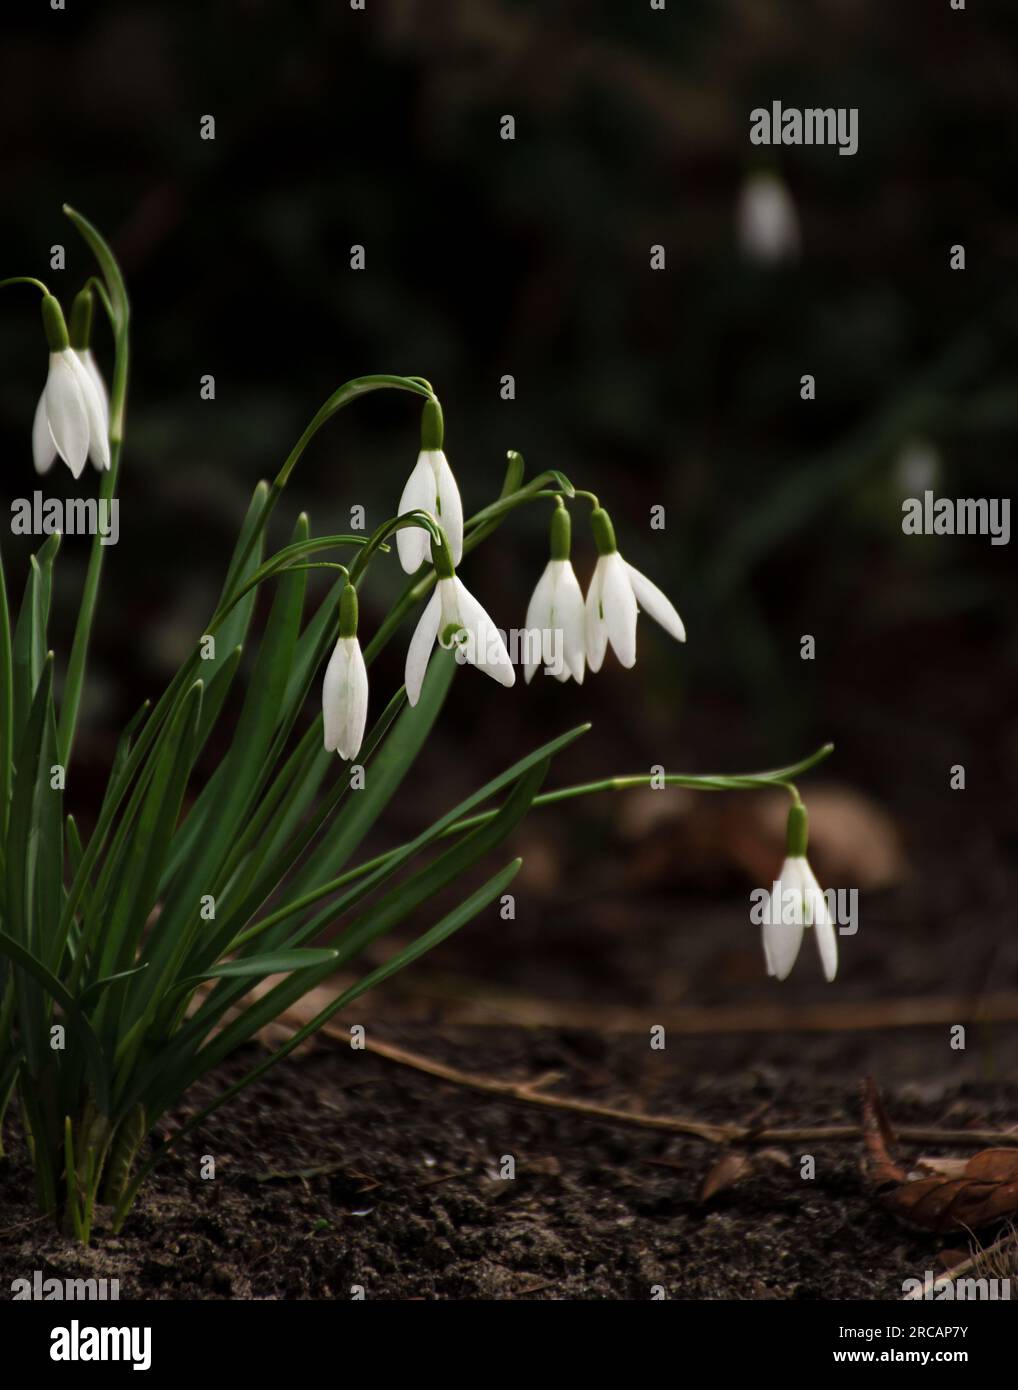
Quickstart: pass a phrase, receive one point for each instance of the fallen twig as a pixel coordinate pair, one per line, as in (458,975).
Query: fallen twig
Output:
(529,1093)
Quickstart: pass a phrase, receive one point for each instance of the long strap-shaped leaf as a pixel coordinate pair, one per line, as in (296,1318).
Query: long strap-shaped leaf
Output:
(180,919)
(427,941)
(20,857)
(178,1070)
(136,894)
(277,932)
(6,712)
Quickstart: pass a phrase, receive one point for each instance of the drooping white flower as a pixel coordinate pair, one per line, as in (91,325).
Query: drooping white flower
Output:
(430,488)
(80,332)
(455,618)
(617,593)
(556,632)
(767,224)
(555,625)
(87,359)
(345,689)
(70,419)
(797,901)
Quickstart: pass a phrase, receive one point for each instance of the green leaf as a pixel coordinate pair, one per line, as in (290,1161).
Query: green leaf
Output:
(378,919)
(99,247)
(29,644)
(241,773)
(392,764)
(427,941)
(77,1021)
(94,990)
(6,709)
(20,857)
(275,963)
(129,908)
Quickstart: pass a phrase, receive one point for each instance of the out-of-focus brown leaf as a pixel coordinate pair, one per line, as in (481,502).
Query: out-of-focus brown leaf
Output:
(677,837)
(729,1169)
(960,1194)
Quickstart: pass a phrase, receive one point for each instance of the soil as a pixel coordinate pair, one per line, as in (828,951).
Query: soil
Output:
(341,1169)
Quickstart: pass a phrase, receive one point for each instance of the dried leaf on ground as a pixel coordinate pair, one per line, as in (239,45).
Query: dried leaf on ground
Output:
(959,1194)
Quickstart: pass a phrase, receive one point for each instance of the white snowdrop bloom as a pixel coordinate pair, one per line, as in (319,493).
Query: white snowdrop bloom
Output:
(80,332)
(617,593)
(430,488)
(69,419)
(455,618)
(345,690)
(556,625)
(767,223)
(796,902)
(87,359)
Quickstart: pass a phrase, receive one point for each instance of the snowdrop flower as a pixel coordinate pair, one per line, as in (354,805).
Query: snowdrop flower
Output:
(455,618)
(796,902)
(69,419)
(767,223)
(617,593)
(345,691)
(430,488)
(556,633)
(81,336)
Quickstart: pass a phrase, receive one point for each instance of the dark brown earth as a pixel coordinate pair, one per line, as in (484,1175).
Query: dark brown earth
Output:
(343,1169)
(340,1168)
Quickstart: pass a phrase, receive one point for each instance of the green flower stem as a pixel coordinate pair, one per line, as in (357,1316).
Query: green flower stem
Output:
(279,564)
(117,306)
(477,529)
(75,679)
(388,528)
(24,280)
(342,396)
(705,782)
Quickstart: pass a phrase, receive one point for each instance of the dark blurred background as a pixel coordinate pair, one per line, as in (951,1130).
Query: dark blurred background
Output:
(678,387)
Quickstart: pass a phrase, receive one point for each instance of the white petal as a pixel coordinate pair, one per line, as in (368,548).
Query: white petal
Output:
(44,451)
(334,690)
(98,443)
(816,909)
(783,936)
(352,735)
(538,620)
(450,505)
(65,411)
(568,615)
(419,651)
(619,604)
(594,622)
(484,647)
(413,543)
(658,605)
(87,360)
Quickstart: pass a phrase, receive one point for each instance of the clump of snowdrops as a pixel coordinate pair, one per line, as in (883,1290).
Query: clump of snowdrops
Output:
(131,957)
